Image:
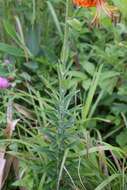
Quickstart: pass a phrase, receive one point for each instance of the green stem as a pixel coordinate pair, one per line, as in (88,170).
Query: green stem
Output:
(64,53)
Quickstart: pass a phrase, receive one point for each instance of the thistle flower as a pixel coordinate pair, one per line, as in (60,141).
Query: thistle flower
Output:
(101,6)
(4,83)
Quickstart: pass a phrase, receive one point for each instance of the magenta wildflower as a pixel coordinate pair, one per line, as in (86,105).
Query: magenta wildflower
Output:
(4,83)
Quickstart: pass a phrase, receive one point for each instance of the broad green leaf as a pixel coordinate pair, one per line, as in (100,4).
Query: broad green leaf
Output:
(15,51)
(121,139)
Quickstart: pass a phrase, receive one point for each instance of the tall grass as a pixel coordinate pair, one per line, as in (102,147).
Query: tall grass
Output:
(67,92)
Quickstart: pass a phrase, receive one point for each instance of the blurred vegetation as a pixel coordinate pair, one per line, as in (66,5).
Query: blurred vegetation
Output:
(69,94)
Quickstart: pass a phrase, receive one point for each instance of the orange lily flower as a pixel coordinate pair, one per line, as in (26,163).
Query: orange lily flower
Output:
(85,3)
(101,5)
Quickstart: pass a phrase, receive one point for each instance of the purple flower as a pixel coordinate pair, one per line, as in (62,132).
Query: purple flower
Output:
(4,83)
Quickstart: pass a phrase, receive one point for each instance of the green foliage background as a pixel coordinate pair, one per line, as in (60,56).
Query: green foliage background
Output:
(69,92)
